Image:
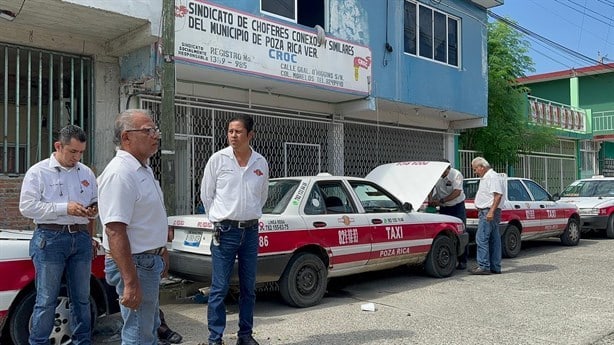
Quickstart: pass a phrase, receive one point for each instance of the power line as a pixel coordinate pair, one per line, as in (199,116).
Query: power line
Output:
(561,16)
(547,41)
(585,10)
(609,3)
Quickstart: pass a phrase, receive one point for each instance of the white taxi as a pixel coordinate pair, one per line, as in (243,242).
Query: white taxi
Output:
(595,199)
(528,212)
(317,227)
(17,293)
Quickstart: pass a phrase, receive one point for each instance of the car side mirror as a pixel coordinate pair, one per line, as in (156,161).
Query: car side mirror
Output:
(556,197)
(407,207)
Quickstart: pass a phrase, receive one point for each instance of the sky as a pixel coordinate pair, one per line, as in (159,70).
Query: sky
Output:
(584,26)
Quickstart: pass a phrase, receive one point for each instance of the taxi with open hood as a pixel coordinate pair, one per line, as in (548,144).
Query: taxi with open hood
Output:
(318,227)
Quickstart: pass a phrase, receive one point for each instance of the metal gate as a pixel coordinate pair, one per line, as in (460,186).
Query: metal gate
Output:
(294,143)
(554,168)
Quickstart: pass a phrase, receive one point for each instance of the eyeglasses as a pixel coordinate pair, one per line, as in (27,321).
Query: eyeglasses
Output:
(152,131)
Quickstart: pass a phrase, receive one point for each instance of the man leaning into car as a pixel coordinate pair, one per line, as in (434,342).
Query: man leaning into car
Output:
(450,197)
(59,194)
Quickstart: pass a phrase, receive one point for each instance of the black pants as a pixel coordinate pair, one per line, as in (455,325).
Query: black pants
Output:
(457,211)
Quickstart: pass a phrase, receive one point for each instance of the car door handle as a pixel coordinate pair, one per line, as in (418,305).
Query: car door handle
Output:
(542,206)
(319,224)
(376,221)
(517,206)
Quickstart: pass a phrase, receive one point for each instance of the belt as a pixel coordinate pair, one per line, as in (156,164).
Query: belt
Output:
(486,208)
(155,251)
(72,228)
(241,224)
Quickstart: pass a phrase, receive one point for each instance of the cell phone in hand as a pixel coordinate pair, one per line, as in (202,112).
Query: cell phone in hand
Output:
(92,205)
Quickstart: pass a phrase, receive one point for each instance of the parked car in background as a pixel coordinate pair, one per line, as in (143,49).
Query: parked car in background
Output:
(595,200)
(318,227)
(17,293)
(528,212)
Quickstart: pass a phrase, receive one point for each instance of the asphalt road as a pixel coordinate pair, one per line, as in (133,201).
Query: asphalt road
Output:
(549,294)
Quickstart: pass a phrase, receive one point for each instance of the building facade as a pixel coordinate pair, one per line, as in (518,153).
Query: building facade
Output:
(589,90)
(336,86)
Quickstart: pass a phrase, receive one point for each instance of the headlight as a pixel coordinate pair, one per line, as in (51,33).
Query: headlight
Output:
(589,211)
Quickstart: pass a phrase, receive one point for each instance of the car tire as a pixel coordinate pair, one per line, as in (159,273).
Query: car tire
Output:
(19,322)
(571,236)
(609,230)
(511,242)
(304,280)
(441,259)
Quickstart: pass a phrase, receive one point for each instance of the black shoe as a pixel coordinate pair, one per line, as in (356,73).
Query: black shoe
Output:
(247,340)
(218,342)
(495,272)
(479,271)
(461,266)
(170,336)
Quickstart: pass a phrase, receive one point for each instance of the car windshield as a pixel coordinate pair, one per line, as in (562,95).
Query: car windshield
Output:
(280,193)
(592,188)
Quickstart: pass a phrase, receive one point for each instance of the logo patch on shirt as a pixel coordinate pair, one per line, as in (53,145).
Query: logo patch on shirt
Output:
(258,172)
(85,183)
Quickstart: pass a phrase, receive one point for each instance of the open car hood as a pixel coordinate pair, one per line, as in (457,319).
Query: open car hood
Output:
(409,181)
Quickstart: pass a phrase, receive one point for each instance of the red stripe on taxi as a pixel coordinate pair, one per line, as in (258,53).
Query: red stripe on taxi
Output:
(16,274)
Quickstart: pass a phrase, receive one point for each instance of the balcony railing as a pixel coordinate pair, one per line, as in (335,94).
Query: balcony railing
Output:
(557,115)
(603,121)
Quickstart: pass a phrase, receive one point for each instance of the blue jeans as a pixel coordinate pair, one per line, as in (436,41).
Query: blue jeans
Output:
(58,254)
(488,241)
(140,326)
(241,243)
(460,212)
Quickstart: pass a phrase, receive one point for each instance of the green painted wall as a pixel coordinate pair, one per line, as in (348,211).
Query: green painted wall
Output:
(555,90)
(597,92)
(607,149)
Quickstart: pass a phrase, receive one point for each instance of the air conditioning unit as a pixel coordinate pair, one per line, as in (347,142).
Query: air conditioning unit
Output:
(488,3)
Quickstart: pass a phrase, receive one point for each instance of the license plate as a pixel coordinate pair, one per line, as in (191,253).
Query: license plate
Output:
(472,221)
(193,239)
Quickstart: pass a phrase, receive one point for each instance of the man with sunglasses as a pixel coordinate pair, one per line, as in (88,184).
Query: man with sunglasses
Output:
(133,214)
(57,193)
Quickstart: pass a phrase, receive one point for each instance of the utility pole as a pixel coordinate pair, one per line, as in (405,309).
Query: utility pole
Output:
(167,108)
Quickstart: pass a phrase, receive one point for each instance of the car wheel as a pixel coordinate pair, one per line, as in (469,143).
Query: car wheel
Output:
(571,236)
(20,321)
(609,231)
(303,282)
(510,242)
(441,260)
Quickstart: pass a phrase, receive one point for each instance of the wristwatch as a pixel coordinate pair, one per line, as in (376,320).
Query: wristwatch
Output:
(441,201)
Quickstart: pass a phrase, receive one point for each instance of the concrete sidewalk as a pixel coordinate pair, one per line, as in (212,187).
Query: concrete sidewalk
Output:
(549,294)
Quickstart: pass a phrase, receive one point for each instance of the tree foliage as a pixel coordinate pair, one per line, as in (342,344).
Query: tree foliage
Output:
(508,130)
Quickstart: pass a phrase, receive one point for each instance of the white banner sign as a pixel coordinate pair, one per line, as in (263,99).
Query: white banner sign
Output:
(207,34)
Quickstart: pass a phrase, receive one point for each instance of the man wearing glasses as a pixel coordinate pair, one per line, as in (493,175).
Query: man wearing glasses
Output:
(132,211)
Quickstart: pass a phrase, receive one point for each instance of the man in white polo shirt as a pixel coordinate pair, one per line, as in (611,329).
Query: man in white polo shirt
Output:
(487,201)
(132,210)
(448,194)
